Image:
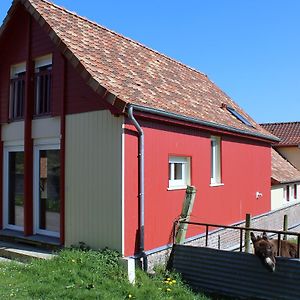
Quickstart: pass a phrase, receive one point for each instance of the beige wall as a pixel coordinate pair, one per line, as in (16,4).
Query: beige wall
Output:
(44,128)
(278,195)
(292,154)
(13,132)
(93,195)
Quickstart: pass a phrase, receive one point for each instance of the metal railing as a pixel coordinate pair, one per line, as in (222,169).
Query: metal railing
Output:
(242,231)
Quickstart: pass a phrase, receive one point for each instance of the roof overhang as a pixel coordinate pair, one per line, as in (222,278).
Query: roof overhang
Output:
(207,124)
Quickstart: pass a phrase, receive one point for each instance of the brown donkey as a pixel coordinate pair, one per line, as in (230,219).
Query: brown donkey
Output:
(267,249)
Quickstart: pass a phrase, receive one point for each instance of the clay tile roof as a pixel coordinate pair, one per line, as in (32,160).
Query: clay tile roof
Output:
(135,74)
(282,170)
(289,133)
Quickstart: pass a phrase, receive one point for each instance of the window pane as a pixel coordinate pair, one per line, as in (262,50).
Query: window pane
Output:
(16,189)
(178,171)
(49,201)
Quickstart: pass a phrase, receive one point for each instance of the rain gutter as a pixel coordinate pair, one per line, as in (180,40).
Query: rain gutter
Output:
(141,180)
(202,123)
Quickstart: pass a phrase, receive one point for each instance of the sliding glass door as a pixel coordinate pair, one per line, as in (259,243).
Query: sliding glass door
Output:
(13,188)
(47,190)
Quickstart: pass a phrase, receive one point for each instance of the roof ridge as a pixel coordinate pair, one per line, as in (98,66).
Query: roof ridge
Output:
(122,36)
(280,123)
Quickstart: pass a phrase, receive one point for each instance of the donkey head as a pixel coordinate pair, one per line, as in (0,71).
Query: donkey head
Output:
(265,250)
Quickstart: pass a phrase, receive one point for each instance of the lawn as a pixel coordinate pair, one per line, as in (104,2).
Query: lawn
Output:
(77,274)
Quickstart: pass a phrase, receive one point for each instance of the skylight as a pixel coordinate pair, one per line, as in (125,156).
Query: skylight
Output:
(238,116)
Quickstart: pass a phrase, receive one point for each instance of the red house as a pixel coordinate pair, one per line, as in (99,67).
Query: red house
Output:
(100,136)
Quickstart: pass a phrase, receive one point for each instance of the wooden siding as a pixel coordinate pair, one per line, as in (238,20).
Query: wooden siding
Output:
(93,196)
(245,167)
(14,45)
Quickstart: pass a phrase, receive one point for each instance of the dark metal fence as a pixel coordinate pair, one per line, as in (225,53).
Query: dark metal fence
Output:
(242,231)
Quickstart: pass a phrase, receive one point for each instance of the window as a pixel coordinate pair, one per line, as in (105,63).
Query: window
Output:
(295,192)
(47,189)
(287,193)
(215,177)
(43,81)
(13,187)
(179,172)
(17,91)
(238,116)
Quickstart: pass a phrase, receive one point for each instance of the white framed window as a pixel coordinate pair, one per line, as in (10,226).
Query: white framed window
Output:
(179,172)
(47,187)
(13,189)
(215,177)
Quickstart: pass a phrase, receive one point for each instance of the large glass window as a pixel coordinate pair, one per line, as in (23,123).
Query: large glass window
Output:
(48,201)
(15,197)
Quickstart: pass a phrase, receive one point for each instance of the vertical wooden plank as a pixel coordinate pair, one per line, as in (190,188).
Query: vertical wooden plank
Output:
(285,225)
(28,142)
(187,208)
(247,233)
(1,180)
(62,154)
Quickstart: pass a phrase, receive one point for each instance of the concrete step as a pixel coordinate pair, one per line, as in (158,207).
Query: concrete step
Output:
(23,253)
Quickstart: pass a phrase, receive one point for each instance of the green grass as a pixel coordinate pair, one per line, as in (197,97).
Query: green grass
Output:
(77,274)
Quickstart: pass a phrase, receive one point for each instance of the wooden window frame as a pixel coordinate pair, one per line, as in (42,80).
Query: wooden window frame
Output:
(17,92)
(43,86)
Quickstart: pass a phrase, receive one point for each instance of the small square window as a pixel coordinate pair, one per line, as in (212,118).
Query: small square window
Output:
(179,172)
(215,177)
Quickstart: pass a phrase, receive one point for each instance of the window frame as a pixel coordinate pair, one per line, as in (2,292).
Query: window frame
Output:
(43,85)
(287,190)
(185,179)
(215,161)
(43,144)
(17,91)
(8,148)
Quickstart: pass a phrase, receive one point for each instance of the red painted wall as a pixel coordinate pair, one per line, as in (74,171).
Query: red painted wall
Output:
(246,169)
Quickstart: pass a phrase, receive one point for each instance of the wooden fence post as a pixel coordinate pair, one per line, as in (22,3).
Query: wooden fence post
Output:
(285,225)
(247,233)
(187,208)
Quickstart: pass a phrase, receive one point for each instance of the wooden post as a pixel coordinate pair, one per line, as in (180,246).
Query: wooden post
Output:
(247,233)
(187,208)
(285,225)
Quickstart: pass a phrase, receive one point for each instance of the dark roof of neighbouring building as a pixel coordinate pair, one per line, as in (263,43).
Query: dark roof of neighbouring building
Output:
(288,132)
(127,72)
(282,170)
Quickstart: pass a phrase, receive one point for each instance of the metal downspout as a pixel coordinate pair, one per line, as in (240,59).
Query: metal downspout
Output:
(141,180)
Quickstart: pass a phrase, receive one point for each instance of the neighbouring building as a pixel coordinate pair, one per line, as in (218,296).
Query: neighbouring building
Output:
(100,136)
(285,182)
(289,135)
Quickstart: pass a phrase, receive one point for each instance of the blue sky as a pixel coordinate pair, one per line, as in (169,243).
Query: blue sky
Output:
(249,48)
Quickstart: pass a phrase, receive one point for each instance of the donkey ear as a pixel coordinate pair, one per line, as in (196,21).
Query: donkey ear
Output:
(253,238)
(265,237)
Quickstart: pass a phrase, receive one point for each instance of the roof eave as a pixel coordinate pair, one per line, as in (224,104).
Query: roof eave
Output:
(202,123)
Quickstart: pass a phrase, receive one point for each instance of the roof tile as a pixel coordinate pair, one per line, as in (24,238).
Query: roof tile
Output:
(137,74)
(282,170)
(289,132)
